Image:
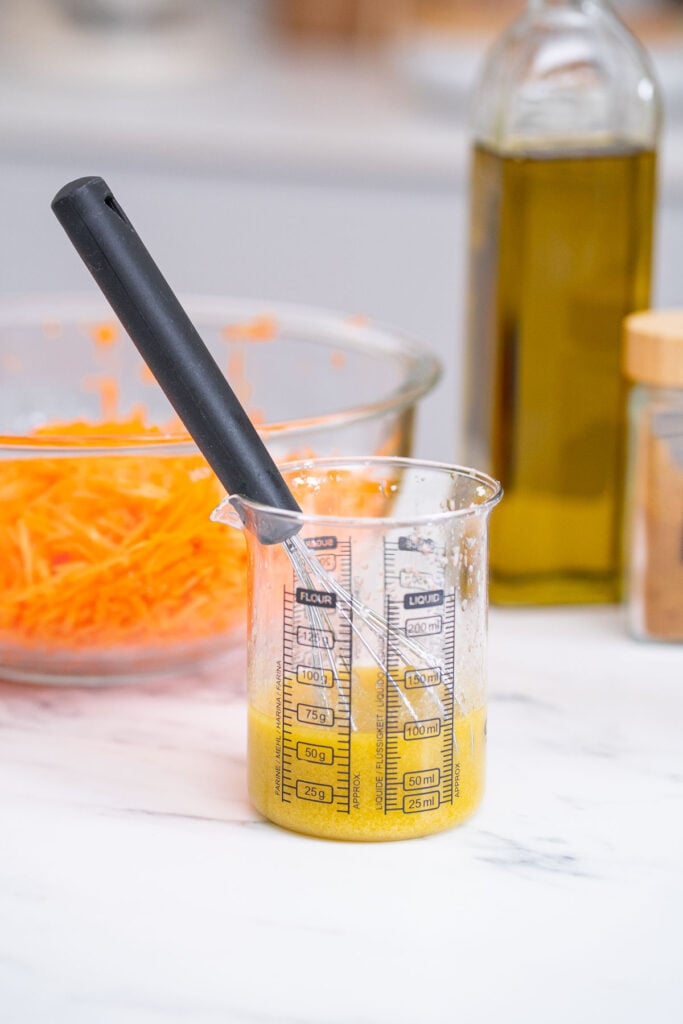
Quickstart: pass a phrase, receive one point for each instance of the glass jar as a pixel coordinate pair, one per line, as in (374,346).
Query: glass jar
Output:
(653,361)
(566,119)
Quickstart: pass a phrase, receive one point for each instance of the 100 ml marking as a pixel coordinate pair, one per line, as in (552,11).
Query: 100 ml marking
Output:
(422,730)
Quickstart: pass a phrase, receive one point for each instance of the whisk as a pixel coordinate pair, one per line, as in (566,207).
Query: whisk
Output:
(188,374)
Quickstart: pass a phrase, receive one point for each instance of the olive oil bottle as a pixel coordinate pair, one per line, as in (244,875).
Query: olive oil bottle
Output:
(561,231)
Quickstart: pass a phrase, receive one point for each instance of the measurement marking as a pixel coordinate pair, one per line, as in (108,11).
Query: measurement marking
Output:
(313,714)
(317,653)
(425,545)
(423,802)
(428,625)
(409,587)
(314,676)
(424,730)
(315,753)
(425,779)
(415,579)
(421,678)
(309,636)
(316,791)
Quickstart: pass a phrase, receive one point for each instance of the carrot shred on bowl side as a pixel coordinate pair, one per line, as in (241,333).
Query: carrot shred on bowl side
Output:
(115,550)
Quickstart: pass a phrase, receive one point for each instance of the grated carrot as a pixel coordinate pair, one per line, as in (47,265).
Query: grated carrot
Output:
(104,335)
(259,328)
(111,551)
(114,550)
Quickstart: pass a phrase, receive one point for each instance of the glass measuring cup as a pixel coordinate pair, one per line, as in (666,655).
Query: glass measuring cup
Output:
(366,657)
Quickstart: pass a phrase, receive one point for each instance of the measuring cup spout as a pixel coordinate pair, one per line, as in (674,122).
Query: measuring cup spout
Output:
(269,525)
(227,513)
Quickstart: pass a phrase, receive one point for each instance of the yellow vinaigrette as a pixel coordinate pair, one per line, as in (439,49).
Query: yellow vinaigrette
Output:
(428,791)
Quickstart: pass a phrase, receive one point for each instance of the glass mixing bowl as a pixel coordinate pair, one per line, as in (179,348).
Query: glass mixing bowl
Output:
(110,569)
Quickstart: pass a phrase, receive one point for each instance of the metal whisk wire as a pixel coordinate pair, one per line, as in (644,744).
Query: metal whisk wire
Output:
(311,573)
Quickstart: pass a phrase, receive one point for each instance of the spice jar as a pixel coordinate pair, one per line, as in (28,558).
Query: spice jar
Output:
(653,362)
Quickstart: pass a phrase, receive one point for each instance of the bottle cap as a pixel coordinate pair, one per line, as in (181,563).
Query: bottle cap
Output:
(653,347)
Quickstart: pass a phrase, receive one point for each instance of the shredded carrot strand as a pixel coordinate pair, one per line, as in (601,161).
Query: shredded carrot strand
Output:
(100,552)
(109,551)
(259,328)
(104,335)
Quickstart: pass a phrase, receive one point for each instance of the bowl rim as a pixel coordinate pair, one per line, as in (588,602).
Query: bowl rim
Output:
(337,329)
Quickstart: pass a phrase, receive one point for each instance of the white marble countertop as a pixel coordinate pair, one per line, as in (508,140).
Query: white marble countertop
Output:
(138,886)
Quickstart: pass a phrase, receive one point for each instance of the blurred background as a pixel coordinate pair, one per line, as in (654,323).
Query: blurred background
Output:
(312,151)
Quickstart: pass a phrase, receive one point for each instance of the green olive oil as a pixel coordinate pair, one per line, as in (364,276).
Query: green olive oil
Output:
(561,249)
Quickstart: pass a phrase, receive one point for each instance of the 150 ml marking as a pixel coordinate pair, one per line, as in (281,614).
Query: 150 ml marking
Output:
(417,679)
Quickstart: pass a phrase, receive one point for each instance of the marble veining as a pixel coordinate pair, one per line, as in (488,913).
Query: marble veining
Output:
(138,886)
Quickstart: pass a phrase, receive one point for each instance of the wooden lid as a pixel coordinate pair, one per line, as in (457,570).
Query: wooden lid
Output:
(653,347)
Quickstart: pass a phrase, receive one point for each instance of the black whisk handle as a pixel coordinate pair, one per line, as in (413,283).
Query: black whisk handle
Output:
(170,345)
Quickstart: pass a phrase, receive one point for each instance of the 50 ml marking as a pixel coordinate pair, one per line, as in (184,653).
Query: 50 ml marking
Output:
(425,779)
